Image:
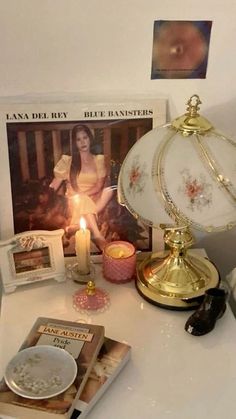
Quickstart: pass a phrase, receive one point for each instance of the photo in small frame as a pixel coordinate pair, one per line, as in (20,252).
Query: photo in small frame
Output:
(29,261)
(65,165)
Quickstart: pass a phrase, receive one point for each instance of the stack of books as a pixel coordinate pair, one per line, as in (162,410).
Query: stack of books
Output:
(99,360)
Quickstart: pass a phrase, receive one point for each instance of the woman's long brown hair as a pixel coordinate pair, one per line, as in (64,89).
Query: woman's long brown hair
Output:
(76,159)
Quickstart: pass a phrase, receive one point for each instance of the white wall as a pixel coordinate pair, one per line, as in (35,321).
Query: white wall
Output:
(104,47)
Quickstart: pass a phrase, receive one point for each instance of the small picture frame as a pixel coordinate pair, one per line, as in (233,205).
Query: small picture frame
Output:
(32,256)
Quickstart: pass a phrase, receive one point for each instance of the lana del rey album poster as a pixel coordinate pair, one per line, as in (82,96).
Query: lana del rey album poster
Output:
(60,162)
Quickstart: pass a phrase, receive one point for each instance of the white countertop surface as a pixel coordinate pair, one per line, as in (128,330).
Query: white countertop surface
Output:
(171,374)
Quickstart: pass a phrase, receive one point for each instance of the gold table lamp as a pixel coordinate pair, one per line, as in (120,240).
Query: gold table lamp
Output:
(178,176)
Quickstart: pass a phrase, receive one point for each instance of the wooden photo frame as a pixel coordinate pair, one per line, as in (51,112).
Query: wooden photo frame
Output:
(36,137)
(30,257)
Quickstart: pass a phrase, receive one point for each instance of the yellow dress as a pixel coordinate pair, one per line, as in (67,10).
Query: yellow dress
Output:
(80,204)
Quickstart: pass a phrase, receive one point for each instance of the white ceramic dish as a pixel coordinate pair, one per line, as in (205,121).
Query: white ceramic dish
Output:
(40,372)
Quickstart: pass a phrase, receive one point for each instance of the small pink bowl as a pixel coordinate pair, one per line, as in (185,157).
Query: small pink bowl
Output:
(119,262)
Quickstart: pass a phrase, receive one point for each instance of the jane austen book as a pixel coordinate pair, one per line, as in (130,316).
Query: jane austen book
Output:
(83,342)
(112,357)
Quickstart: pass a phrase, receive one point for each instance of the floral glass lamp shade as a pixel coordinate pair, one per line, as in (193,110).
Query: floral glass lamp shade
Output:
(178,176)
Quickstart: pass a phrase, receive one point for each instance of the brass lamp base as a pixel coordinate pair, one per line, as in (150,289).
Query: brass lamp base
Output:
(176,280)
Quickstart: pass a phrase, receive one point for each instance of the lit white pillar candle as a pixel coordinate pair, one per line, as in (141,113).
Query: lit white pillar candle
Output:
(82,248)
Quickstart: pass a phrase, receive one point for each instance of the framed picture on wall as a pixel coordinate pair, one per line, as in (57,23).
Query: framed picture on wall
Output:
(61,161)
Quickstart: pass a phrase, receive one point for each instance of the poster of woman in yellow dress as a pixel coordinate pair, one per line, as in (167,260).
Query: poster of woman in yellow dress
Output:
(65,165)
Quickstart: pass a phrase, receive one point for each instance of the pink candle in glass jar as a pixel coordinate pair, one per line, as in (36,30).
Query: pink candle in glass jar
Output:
(119,261)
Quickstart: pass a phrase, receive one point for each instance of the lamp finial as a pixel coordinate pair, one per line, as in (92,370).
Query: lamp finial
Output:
(191,122)
(193,107)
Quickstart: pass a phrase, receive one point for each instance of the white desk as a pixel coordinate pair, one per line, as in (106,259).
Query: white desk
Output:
(172,375)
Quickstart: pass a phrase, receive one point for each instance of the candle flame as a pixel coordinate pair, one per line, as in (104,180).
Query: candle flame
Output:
(76,198)
(82,223)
